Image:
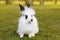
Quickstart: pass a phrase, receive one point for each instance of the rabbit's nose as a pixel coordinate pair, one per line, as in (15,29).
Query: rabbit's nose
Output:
(31,20)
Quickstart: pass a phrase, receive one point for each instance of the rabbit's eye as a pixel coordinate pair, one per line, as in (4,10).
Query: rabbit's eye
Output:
(26,16)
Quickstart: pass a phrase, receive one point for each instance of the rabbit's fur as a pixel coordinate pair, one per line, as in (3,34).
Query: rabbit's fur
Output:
(27,22)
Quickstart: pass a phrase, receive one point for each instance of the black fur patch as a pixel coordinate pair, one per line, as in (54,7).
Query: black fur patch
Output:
(28,5)
(21,7)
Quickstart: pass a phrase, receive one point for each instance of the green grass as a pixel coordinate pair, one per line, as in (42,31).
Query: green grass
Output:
(48,19)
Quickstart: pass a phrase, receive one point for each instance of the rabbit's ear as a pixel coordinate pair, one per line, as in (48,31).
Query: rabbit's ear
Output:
(28,5)
(21,7)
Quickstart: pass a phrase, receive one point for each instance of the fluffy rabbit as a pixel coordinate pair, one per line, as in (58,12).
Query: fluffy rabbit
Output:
(27,22)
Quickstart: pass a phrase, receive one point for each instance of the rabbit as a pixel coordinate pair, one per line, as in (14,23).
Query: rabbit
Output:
(28,24)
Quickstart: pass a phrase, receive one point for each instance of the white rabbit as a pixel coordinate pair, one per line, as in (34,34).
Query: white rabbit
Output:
(27,22)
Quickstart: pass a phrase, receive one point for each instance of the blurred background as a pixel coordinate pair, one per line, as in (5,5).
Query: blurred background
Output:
(33,2)
(47,14)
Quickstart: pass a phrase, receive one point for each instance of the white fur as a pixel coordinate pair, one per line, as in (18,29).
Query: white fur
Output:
(24,27)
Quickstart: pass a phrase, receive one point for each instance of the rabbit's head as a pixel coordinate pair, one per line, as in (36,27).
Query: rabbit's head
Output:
(27,12)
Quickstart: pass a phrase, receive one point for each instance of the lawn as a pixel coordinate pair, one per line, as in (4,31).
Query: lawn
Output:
(48,19)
